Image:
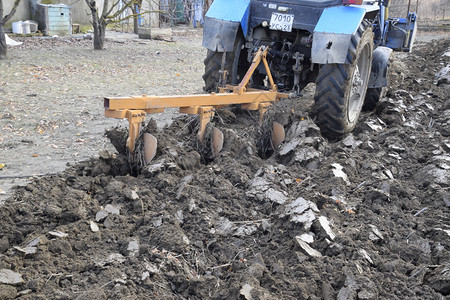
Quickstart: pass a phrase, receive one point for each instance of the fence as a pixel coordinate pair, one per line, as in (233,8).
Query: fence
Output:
(167,13)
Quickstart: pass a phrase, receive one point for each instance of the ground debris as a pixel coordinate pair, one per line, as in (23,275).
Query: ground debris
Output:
(306,247)
(10,277)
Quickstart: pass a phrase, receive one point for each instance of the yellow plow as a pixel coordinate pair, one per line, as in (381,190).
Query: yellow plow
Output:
(136,108)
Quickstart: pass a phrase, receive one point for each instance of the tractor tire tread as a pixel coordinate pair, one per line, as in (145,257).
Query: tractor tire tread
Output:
(331,87)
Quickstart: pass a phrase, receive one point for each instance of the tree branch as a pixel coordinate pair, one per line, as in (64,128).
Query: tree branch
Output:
(106,13)
(120,11)
(132,16)
(13,11)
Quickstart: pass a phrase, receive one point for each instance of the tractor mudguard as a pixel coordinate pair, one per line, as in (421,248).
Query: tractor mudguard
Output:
(380,64)
(222,22)
(334,31)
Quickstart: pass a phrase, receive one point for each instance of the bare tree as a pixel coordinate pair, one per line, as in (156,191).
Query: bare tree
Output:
(136,9)
(112,12)
(3,21)
(436,8)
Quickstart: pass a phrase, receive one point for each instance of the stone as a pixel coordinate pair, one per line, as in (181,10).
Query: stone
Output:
(111,209)
(350,142)
(300,205)
(301,211)
(446,199)
(365,255)
(151,268)
(307,248)
(275,196)
(153,169)
(261,190)
(266,225)
(100,215)
(112,259)
(134,195)
(145,275)
(307,218)
(94,227)
(376,233)
(183,183)
(325,223)
(26,250)
(224,226)
(246,291)
(443,76)
(303,128)
(179,216)
(247,229)
(308,238)
(133,248)
(58,234)
(10,277)
(337,171)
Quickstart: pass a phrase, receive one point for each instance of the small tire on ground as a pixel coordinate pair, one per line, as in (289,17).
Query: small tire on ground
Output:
(341,88)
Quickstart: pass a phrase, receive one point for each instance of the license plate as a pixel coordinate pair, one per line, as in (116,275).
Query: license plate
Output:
(281,22)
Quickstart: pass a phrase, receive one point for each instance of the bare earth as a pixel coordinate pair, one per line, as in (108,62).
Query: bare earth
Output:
(51,95)
(366,217)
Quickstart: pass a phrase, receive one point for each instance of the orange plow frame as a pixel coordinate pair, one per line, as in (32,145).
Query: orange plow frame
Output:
(136,108)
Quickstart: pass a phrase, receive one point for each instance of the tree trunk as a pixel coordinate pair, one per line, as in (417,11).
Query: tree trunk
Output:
(135,9)
(99,26)
(2,34)
(2,43)
(99,33)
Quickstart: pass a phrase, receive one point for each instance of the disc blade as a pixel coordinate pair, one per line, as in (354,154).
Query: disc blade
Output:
(150,146)
(216,142)
(278,135)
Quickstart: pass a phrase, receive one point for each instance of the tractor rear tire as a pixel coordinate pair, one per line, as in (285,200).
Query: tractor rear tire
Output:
(341,88)
(234,64)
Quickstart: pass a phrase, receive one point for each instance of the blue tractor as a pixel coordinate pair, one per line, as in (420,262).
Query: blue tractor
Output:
(343,46)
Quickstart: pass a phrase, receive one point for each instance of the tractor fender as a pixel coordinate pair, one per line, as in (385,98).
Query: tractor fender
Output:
(380,64)
(333,33)
(222,22)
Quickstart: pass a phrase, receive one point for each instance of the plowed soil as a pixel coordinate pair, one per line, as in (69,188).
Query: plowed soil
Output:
(366,217)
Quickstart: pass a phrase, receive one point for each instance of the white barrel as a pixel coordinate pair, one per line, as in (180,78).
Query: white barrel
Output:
(17,27)
(26,27)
